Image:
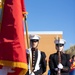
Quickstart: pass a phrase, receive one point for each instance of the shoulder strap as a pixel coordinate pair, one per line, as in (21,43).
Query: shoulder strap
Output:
(37,66)
(30,61)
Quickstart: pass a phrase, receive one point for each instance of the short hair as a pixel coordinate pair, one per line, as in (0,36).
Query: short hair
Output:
(73,56)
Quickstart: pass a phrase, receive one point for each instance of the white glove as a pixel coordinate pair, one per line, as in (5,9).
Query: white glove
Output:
(60,66)
(32,73)
(27,51)
(56,69)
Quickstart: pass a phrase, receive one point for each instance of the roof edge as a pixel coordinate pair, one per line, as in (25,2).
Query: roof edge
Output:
(45,32)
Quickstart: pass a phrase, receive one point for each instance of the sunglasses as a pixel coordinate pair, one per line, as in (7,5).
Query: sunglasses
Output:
(59,45)
(34,40)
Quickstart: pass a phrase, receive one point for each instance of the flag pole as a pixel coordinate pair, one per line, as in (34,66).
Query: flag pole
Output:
(26,28)
(1,3)
(28,43)
(59,58)
(1,11)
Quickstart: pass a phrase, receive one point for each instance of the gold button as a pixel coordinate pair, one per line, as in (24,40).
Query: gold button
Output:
(33,61)
(33,53)
(33,58)
(33,64)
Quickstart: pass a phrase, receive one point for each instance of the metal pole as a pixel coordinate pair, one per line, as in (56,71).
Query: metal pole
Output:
(26,28)
(59,58)
(28,43)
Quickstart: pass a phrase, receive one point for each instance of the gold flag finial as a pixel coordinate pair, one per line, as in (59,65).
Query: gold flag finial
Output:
(0,3)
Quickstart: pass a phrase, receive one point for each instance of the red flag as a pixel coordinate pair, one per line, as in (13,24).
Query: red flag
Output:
(12,46)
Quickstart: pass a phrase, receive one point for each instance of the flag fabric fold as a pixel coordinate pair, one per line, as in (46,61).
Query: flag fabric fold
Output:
(12,45)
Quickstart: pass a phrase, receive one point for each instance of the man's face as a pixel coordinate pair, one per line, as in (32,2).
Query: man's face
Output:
(60,47)
(74,58)
(34,43)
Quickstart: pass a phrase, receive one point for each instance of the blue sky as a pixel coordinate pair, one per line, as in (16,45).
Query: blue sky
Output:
(52,15)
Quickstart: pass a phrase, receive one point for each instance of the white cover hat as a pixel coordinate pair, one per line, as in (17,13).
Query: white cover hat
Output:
(34,37)
(60,41)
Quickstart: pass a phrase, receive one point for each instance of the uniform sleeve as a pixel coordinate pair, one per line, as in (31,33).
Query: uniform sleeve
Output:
(68,64)
(51,64)
(43,61)
(27,55)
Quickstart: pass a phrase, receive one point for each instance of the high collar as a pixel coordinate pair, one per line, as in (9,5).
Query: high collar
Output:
(34,49)
(60,52)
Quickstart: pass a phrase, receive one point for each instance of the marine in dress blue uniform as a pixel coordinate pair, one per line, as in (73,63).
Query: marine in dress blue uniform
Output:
(54,65)
(36,59)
